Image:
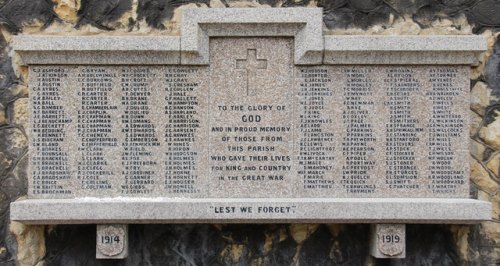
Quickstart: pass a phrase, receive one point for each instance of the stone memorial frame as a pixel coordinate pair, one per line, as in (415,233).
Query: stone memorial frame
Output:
(310,48)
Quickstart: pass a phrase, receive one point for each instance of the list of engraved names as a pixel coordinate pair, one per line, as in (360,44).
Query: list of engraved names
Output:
(322,131)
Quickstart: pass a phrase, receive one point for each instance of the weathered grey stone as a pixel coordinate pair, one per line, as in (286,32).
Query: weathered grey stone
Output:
(273,3)
(407,6)
(492,70)
(481,178)
(30,240)
(234,156)
(14,92)
(494,164)
(302,23)
(111,50)
(156,12)
(3,115)
(112,241)
(365,5)
(267,210)
(345,17)
(246,137)
(486,12)
(15,184)
(480,98)
(255,67)
(476,121)
(198,25)
(101,13)
(490,132)
(67,10)
(13,142)
(331,5)
(17,14)
(388,241)
(205,244)
(20,113)
(201,244)
(6,70)
(4,202)
(301,232)
(262,77)
(415,50)
(458,3)
(5,164)
(477,150)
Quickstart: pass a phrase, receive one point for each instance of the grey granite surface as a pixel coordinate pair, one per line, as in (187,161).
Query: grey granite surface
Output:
(252,124)
(263,210)
(198,25)
(256,127)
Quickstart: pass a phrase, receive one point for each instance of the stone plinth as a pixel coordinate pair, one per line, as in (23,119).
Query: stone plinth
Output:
(268,210)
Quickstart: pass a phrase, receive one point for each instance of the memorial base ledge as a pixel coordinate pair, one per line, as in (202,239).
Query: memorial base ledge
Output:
(250,210)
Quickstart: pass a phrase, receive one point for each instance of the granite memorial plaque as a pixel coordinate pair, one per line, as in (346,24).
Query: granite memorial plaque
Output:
(257,127)
(249,118)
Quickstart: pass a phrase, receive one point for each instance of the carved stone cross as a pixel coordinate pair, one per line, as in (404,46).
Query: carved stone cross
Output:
(251,64)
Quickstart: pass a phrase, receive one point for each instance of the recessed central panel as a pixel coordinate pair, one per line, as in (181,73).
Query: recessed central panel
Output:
(251,130)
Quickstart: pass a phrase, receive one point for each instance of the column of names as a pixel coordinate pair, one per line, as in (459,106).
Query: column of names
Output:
(140,140)
(402,132)
(50,171)
(95,130)
(358,140)
(182,131)
(315,133)
(445,128)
